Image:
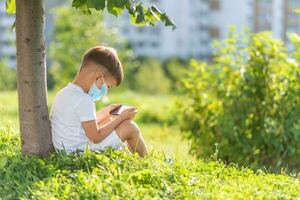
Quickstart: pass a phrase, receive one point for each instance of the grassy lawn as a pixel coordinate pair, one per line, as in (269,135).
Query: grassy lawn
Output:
(153,112)
(119,175)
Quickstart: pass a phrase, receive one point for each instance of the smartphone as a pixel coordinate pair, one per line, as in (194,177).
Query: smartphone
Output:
(119,109)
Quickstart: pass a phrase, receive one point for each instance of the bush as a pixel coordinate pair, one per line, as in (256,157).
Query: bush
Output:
(150,78)
(247,103)
(115,174)
(174,69)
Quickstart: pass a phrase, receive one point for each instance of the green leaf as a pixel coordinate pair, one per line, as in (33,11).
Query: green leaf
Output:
(114,9)
(82,5)
(156,10)
(97,4)
(140,18)
(163,17)
(140,15)
(297,11)
(77,3)
(11,6)
(3,162)
(119,3)
(167,21)
(152,17)
(129,6)
(13,27)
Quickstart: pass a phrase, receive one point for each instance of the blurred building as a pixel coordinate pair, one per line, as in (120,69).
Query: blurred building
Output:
(190,38)
(198,23)
(277,16)
(201,21)
(7,37)
(291,20)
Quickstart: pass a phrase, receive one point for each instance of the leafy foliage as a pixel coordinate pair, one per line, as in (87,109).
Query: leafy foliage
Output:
(115,174)
(10,6)
(150,77)
(153,76)
(140,14)
(174,69)
(247,103)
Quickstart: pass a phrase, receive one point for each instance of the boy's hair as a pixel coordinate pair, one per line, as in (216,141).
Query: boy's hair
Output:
(108,58)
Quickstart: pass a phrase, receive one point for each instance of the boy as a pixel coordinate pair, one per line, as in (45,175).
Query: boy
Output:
(75,123)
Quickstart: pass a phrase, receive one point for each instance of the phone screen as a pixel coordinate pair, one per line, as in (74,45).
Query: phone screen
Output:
(115,111)
(119,109)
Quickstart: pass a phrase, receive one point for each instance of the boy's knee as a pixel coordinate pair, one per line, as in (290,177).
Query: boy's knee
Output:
(129,124)
(127,129)
(132,125)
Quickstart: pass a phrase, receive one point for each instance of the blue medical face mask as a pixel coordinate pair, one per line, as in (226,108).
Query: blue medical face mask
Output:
(97,93)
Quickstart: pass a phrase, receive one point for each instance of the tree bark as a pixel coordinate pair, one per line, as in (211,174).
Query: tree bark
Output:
(32,87)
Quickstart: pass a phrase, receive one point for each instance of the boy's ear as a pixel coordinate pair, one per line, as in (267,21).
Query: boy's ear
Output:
(99,75)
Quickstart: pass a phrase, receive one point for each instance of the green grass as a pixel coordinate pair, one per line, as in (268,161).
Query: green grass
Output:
(168,172)
(9,108)
(116,174)
(152,117)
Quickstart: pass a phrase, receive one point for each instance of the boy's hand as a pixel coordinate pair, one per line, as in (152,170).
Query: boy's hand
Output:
(104,112)
(128,113)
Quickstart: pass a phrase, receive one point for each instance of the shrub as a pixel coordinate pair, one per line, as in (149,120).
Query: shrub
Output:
(150,78)
(174,70)
(247,102)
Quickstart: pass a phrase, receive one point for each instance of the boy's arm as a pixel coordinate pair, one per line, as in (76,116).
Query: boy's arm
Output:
(104,112)
(96,134)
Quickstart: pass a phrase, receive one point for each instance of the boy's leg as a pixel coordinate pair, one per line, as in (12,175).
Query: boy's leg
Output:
(129,131)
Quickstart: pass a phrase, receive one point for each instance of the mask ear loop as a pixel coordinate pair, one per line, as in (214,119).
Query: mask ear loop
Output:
(105,98)
(102,77)
(104,83)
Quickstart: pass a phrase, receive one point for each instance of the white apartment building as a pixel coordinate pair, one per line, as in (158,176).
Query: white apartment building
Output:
(7,37)
(190,38)
(277,16)
(200,21)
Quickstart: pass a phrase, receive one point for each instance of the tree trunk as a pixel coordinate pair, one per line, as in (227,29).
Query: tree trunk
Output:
(32,87)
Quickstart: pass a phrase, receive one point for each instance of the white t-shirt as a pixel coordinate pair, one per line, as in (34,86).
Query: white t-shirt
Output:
(71,106)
